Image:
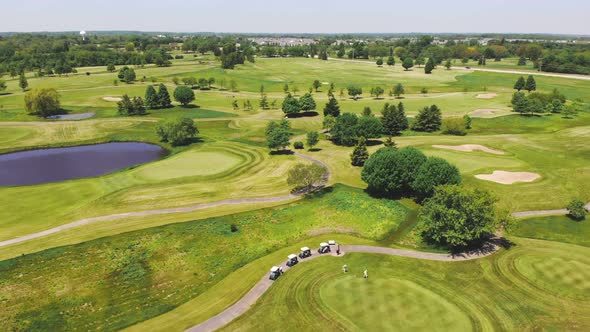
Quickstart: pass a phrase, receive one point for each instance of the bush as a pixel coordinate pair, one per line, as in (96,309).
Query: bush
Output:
(184,94)
(305,177)
(233,228)
(180,131)
(42,102)
(298,145)
(576,210)
(454,126)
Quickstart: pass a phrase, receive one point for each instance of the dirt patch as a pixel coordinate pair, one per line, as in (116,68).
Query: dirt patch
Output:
(486,95)
(111,99)
(468,148)
(505,177)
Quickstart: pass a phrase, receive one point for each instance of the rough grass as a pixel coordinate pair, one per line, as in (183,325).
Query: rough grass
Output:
(534,285)
(112,282)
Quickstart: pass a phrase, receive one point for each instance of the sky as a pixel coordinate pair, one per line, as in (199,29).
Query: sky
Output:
(304,16)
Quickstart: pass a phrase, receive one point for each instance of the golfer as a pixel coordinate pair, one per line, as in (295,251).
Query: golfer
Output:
(366,275)
(344,268)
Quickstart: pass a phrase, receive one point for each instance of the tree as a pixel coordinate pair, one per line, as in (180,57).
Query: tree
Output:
(164,96)
(42,102)
(264,103)
(379,62)
(203,83)
(151,98)
(519,102)
(286,88)
(329,122)
(22,82)
(576,210)
(458,217)
(448,64)
(290,105)
(467,120)
(126,75)
(390,61)
(429,119)
(313,138)
(180,131)
(344,131)
(569,111)
(332,108)
(278,134)
(130,106)
(530,84)
(111,68)
(377,91)
(184,95)
(391,172)
(367,111)
(354,91)
(304,177)
(454,126)
(520,83)
(419,61)
(233,85)
(556,106)
(2,85)
(369,127)
(394,120)
(189,81)
(429,66)
(408,63)
(522,61)
(307,103)
(434,172)
(210,82)
(316,85)
(398,90)
(360,154)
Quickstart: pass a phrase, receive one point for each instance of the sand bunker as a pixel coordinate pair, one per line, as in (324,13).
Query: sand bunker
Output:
(111,98)
(486,95)
(485,111)
(468,148)
(505,177)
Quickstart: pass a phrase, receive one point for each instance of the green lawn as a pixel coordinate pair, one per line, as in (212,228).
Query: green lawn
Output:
(113,282)
(554,228)
(533,285)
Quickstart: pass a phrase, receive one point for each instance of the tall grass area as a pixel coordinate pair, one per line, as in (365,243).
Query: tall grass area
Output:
(113,282)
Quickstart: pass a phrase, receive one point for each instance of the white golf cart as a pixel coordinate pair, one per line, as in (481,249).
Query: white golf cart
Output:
(324,248)
(292,260)
(305,252)
(275,272)
(332,242)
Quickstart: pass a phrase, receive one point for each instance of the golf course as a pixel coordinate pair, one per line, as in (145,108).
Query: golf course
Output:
(172,241)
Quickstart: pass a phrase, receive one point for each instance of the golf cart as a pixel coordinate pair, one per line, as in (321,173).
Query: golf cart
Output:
(292,260)
(305,252)
(332,242)
(324,248)
(275,272)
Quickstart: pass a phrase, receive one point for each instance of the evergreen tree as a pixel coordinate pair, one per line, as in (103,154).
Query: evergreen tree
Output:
(360,154)
(379,62)
(408,63)
(530,84)
(164,96)
(398,90)
(428,119)
(332,108)
(522,61)
(307,103)
(394,120)
(520,83)
(22,82)
(429,66)
(448,64)
(390,61)
(151,98)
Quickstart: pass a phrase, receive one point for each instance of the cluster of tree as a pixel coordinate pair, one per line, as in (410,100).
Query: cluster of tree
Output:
(348,127)
(42,102)
(161,99)
(131,106)
(127,75)
(529,85)
(292,105)
(539,102)
(429,119)
(179,131)
(278,134)
(407,172)
(202,83)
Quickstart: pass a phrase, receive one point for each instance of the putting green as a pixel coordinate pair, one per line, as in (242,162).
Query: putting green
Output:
(391,304)
(193,163)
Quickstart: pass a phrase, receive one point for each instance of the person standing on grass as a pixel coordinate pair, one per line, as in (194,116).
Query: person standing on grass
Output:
(344,268)
(366,274)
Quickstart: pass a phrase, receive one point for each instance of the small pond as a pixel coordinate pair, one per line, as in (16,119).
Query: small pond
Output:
(53,165)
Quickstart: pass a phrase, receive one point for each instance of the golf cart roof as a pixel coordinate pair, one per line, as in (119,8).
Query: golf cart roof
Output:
(332,242)
(304,249)
(274,269)
(292,256)
(324,244)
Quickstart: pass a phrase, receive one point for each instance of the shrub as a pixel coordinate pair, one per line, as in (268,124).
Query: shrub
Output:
(305,177)
(298,145)
(42,102)
(576,209)
(454,126)
(179,131)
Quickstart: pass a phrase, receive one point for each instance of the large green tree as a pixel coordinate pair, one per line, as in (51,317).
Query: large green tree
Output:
(429,66)
(22,82)
(307,103)
(360,154)
(429,119)
(354,91)
(458,217)
(332,108)
(394,120)
(179,131)
(369,127)
(127,75)
(184,94)
(290,105)
(313,138)
(151,98)
(434,172)
(164,96)
(344,131)
(278,134)
(530,84)
(42,102)
(520,83)
(576,209)
(408,63)
(304,177)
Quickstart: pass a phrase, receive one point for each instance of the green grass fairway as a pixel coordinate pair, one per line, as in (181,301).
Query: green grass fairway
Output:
(554,228)
(535,284)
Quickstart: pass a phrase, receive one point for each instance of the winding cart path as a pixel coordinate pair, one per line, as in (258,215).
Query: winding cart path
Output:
(264,284)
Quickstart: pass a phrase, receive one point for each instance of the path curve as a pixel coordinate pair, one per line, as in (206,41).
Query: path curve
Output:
(232,201)
(248,300)
(557,212)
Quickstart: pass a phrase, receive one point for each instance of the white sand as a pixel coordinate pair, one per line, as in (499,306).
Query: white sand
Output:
(468,148)
(505,177)
(484,111)
(486,95)
(111,98)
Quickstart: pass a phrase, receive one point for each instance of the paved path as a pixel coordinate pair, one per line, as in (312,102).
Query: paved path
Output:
(246,302)
(92,220)
(524,72)
(557,212)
